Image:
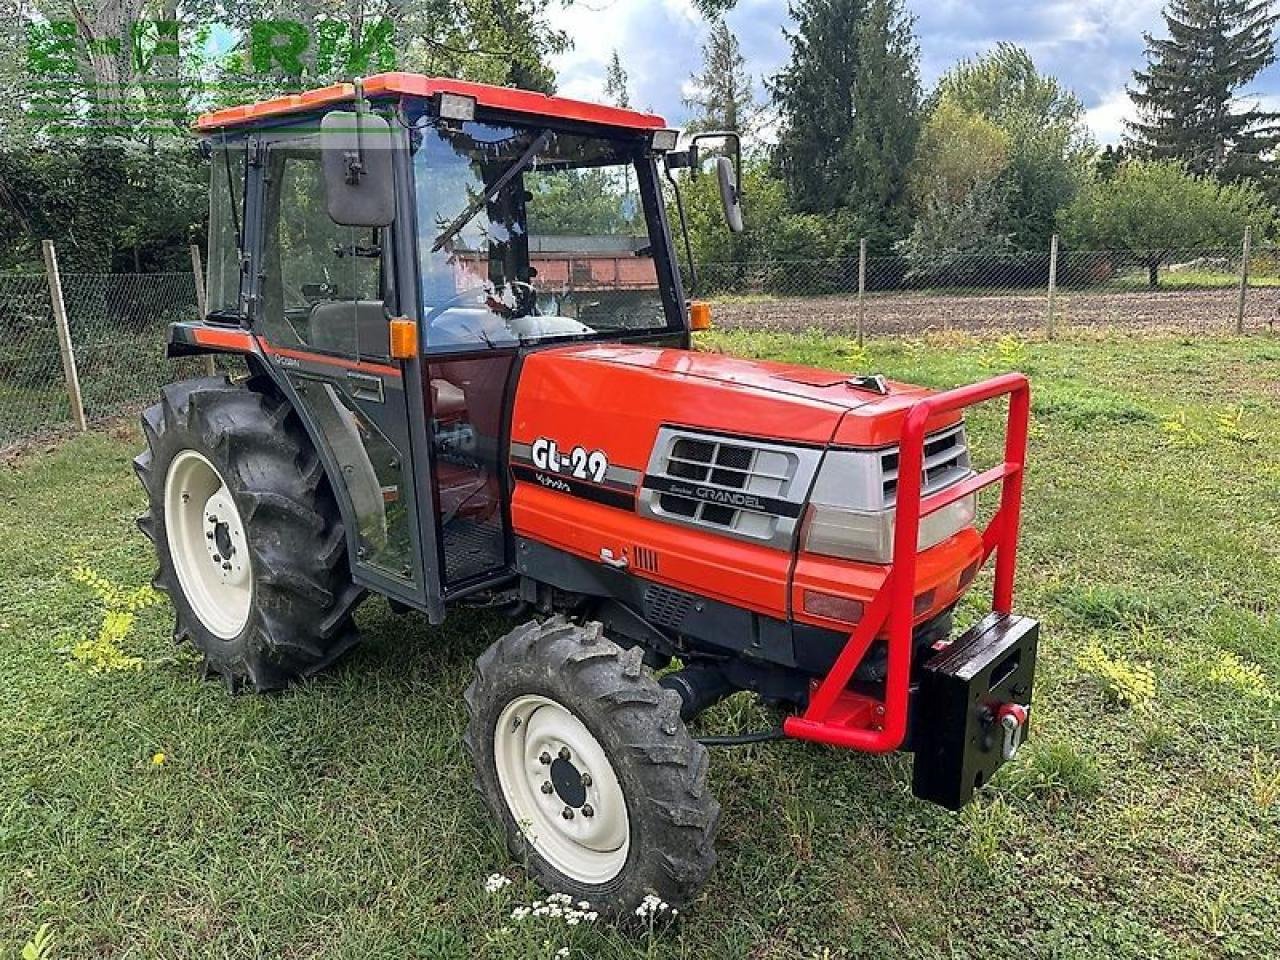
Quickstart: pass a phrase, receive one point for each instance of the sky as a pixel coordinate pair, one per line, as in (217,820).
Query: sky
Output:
(1091,45)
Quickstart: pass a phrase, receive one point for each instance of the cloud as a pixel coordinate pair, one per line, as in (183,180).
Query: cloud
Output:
(1107,119)
(1092,46)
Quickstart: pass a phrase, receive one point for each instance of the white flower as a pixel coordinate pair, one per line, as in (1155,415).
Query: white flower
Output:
(562,952)
(519,913)
(583,905)
(651,906)
(495,882)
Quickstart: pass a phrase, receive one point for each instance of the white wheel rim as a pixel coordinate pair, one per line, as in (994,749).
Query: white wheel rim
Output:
(207,544)
(591,846)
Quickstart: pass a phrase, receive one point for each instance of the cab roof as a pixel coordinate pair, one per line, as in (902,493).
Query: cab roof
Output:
(417,85)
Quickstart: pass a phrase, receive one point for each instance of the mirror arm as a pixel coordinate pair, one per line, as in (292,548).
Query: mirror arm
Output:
(684,230)
(355,159)
(733,139)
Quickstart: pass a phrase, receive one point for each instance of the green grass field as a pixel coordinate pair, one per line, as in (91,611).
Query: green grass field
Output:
(337,820)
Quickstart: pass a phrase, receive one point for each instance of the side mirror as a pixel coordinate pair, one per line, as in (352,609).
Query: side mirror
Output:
(356,160)
(730,198)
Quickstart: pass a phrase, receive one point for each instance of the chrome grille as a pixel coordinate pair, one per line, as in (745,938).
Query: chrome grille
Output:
(946,460)
(730,485)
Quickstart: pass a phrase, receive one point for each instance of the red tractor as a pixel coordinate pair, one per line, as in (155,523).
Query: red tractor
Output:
(470,383)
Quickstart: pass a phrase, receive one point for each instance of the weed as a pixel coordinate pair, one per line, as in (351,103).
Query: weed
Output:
(1010,354)
(103,652)
(1231,427)
(41,946)
(1264,781)
(1230,671)
(1180,433)
(1129,684)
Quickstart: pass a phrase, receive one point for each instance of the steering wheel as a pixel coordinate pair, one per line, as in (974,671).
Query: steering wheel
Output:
(457,299)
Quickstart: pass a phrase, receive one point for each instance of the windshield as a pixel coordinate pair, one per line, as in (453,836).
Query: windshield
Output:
(527,234)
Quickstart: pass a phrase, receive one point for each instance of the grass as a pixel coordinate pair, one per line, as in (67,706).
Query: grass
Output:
(337,820)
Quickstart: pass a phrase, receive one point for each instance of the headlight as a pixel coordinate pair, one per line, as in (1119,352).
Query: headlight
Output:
(843,522)
(836,532)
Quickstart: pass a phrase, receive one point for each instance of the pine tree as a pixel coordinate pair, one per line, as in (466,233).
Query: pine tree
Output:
(1188,94)
(721,93)
(849,111)
(615,83)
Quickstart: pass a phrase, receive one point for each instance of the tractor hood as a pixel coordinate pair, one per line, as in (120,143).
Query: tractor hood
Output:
(616,398)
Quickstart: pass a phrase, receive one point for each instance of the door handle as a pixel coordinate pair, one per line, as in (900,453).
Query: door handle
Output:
(365,387)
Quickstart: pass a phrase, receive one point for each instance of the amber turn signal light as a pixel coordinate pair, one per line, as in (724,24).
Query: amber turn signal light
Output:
(404,339)
(699,315)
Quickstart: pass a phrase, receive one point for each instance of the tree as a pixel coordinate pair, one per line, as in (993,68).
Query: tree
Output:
(1110,160)
(1050,147)
(958,186)
(848,104)
(100,103)
(615,83)
(1188,93)
(1153,207)
(721,92)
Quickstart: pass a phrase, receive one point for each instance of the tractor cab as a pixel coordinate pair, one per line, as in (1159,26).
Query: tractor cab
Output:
(486,223)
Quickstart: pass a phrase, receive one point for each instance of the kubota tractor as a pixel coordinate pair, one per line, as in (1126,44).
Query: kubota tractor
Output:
(470,382)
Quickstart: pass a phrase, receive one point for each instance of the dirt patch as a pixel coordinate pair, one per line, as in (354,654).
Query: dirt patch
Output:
(1187,311)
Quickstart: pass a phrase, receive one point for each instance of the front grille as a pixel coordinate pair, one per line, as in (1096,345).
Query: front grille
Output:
(736,466)
(946,460)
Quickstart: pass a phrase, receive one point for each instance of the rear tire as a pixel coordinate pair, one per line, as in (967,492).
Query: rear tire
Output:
(564,720)
(250,544)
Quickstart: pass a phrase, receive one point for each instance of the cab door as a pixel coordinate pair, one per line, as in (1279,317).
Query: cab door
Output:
(326,295)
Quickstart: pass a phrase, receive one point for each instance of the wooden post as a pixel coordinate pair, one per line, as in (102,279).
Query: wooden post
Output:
(69,372)
(202,303)
(1053,286)
(1244,278)
(862,288)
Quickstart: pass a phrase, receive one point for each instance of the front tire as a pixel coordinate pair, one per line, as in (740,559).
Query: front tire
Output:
(250,545)
(584,761)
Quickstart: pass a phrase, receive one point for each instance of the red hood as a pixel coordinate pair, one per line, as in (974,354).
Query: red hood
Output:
(852,416)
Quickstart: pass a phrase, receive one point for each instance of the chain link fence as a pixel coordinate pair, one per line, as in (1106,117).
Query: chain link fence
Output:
(1200,290)
(116,323)
(117,327)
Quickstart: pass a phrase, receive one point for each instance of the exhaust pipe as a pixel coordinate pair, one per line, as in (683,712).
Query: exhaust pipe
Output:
(699,685)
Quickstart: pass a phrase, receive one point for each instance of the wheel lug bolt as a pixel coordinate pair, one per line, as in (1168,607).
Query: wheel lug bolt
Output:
(212,518)
(568,813)
(546,787)
(545,759)
(226,566)
(588,810)
(586,779)
(209,535)
(564,753)
(217,558)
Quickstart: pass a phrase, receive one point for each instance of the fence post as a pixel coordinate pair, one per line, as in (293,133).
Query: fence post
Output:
(69,371)
(862,287)
(1053,286)
(202,304)
(1244,278)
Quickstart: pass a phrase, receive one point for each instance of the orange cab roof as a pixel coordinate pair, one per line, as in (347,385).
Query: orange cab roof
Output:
(416,85)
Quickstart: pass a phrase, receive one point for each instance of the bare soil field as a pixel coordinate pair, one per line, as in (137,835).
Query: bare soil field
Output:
(887,314)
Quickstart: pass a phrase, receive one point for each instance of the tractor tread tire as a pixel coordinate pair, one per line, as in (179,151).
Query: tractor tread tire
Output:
(662,769)
(300,620)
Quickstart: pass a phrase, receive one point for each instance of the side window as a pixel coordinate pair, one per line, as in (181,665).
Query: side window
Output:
(323,282)
(226,215)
